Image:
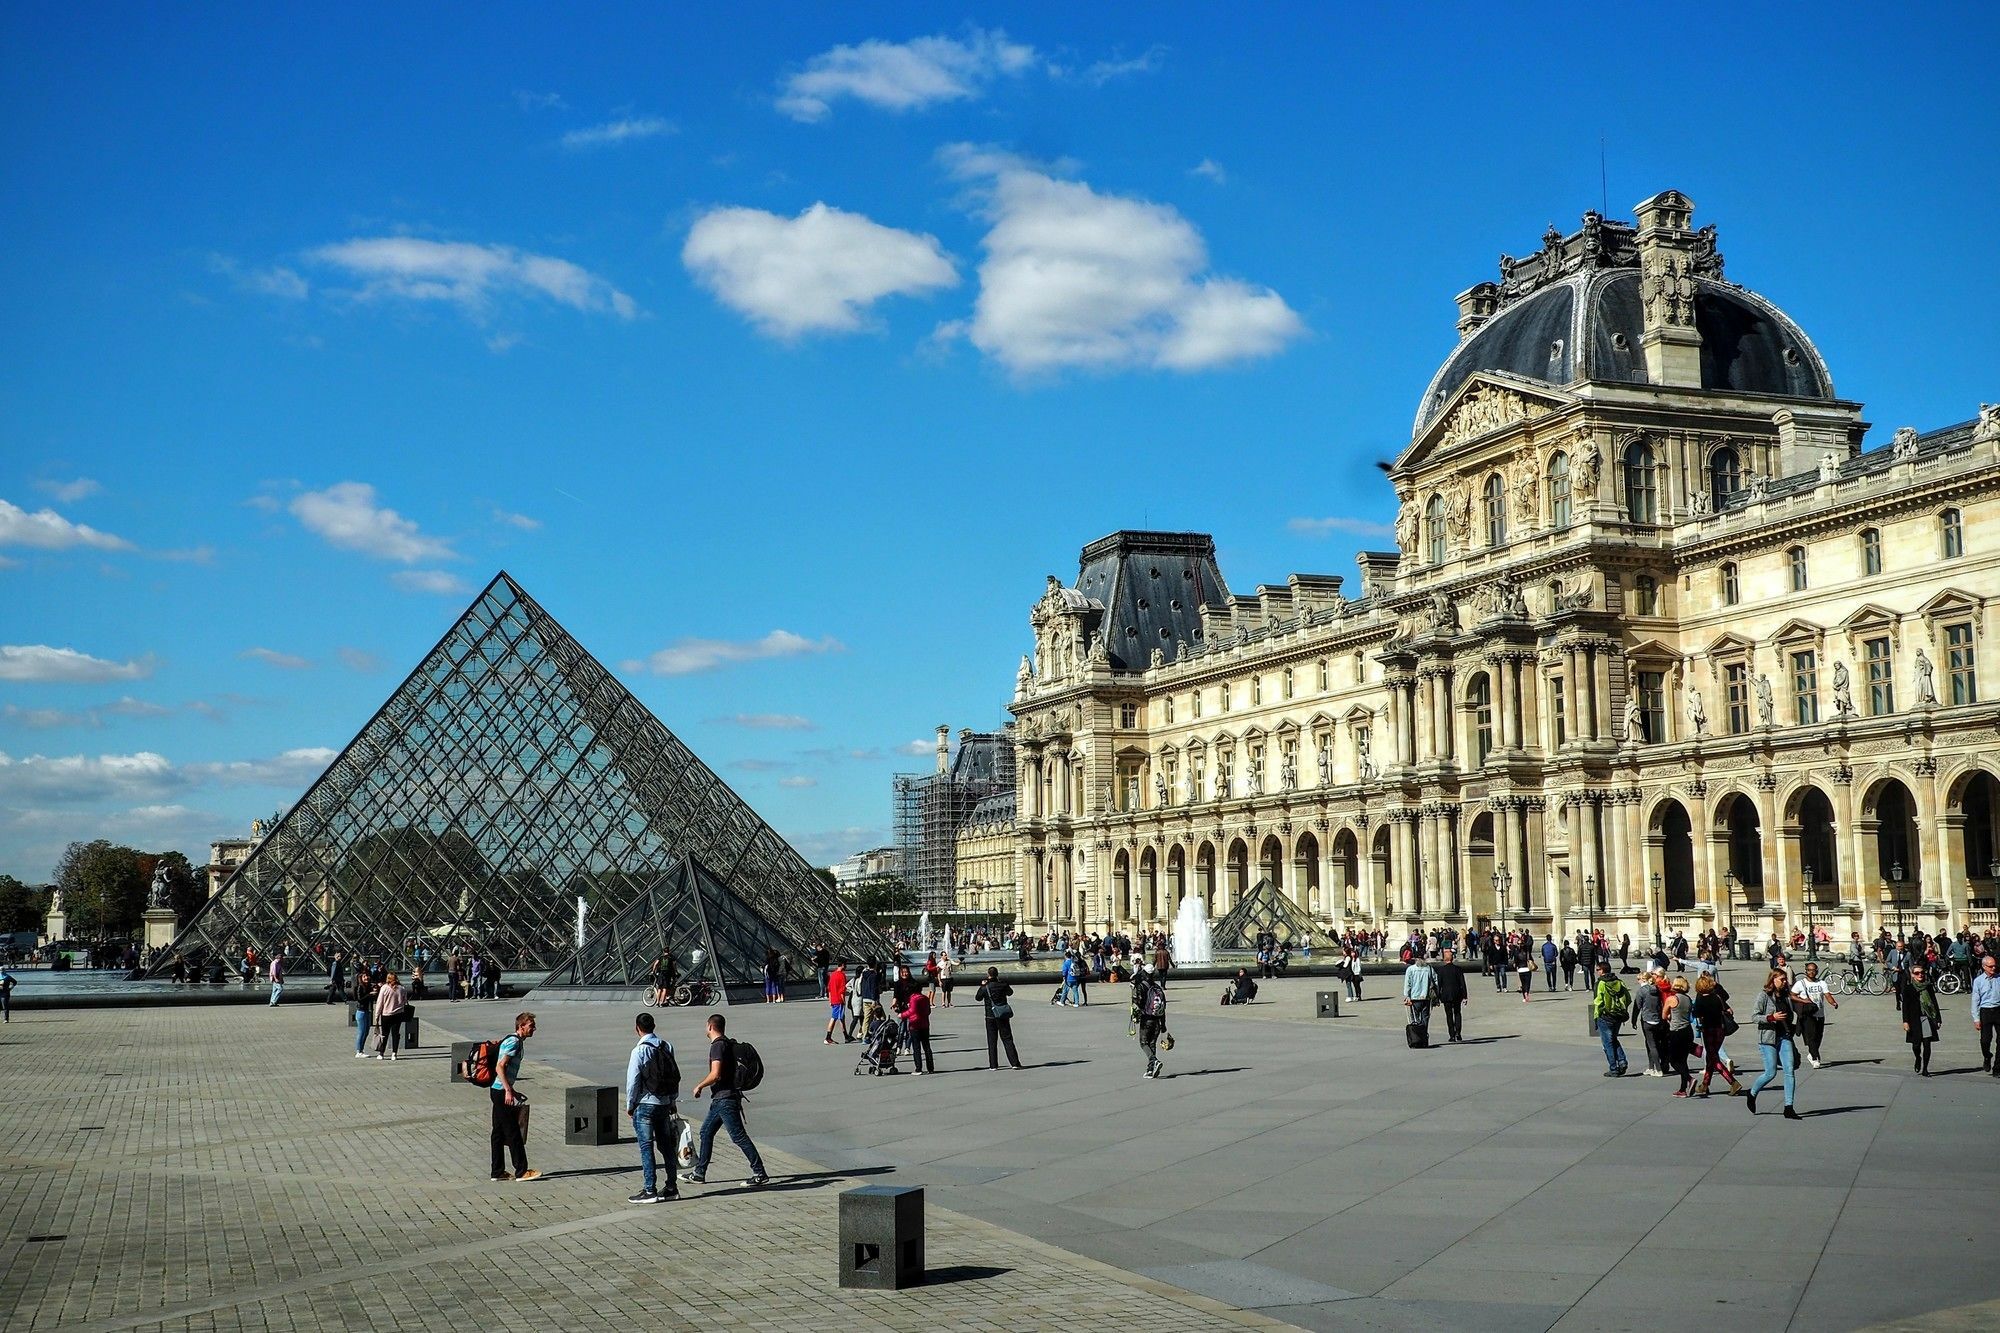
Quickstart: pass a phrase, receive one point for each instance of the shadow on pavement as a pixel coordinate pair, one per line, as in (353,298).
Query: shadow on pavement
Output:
(938,1277)
(1835,1110)
(1198,1073)
(1842,1064)
(1482,1041)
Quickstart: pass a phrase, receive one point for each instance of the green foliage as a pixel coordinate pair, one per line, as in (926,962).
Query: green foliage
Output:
(22,907)
(880,897)
(103,889)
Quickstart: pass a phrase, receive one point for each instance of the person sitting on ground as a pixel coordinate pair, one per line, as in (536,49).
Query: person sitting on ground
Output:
(1242,988)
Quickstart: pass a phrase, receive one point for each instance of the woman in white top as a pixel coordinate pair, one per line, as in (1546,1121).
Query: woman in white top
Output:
(392,1006)
(1810,997)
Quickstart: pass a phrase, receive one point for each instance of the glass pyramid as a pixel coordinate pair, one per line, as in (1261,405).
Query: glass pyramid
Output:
(690,914)
(507,777)
(1263,908)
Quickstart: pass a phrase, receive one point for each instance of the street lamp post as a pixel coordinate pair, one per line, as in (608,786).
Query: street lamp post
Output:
(1500,884)
(1590,902)
(1896,878)
(1658,905)
(1812,892)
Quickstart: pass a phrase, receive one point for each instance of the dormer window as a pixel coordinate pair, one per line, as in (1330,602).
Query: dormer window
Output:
(1725,476)
(1642,493)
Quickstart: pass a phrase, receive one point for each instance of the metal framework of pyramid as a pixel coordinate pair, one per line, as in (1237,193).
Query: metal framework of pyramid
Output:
(691,915)
(1263,908)
(508,776)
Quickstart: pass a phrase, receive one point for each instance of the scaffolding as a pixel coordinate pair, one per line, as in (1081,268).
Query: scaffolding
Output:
(931,808)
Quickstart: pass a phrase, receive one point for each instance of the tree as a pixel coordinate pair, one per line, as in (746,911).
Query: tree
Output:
(103,889)
(22,907)
(187,888)
(882,897)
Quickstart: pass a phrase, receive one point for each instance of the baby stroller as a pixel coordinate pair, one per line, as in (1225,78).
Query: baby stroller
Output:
(880,1042)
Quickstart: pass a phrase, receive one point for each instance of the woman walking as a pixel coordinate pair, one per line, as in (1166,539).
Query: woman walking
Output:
(994,993)
(1713,1015)
(1810,998)
(1774,1039)
(1921,1019)
(944,976)
(364,1007)
(1677,1032)
(774,971)
(392,1006)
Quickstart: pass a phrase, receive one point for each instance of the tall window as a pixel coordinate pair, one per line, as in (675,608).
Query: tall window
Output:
(1736,697)
(1325,676)
(1559,489)
(1725,476)
(1796,559)
(1960,669)
(1434,529)
(1288,682)
(1482,718)
(1805,687)
(1952,530)
(1731,593)
(1495,500)
(1256,690)
(1222,693)
(1194,701)
(1128,716)
(1642,487)
(1653,705)
(1170,708)
(1646,594)
(1871,551)
(1559,709)
(1881,677)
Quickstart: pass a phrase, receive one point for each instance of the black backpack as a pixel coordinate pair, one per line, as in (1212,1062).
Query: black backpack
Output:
(660,1074)
(749,1067)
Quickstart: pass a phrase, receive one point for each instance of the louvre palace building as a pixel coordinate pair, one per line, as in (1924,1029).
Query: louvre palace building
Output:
(1667,642)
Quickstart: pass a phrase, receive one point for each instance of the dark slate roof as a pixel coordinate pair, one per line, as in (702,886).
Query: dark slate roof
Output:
(1587,327)
(1944,440)
(1152,586)
(983,756)
(995,809)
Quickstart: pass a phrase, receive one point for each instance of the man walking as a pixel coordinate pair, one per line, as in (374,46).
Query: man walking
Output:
(7,984)
(336,977)
(1451,993)
(725,1108)
(1420,986)
(1149,999)
(510,1108)
(1986,1012)
(652,1087)
(1550,956)
(1649,1016)
(836,993)
(277,976)
(822,958)
(1610,1005)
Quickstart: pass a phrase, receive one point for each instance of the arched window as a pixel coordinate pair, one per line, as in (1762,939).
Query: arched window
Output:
(1725,476)
(1480,700)
(1871,550)
(1559,490)
(1731,594)
(1795,558)
(1495,498)
(1952,530)
(1642,493)
(1434,529)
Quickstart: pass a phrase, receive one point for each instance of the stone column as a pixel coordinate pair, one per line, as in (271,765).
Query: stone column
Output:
(1850,888)
(1426,746)
(1572,685)
(1586,691)
(1600,711)
(1508,737)
(1447,708)
(1399,858)
(1532,892)
(1367,893)
(1453,859)
(1584,860)
(1619,891)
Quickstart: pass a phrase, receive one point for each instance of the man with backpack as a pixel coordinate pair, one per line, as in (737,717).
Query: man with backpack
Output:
(652,1087)
(509,1136)
(734,1068)
(1610,1006)
(1149,1001)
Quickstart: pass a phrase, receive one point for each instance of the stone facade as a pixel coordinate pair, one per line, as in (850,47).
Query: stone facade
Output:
(1659,640)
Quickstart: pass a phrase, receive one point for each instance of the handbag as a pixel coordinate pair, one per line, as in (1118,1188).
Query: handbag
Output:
(1001,1012)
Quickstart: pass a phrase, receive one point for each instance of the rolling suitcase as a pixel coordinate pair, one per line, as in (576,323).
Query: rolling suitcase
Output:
(1417,1035)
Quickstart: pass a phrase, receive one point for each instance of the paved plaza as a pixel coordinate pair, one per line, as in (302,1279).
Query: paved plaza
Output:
(235,1167)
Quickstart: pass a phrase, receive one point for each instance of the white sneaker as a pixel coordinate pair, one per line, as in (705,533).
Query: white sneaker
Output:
(1813,1060)
(361,1055)
(392,1055)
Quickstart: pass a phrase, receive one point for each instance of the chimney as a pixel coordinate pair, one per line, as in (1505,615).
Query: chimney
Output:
(944,749)
(1475,306)
(1667,247)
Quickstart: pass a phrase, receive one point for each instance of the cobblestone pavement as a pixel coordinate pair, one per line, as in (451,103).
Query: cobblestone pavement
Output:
(237,1168)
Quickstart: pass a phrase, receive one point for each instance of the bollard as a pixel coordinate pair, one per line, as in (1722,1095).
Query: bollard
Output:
(882,1237)
(410,1030)
(461,1051)
(1328,1003)
(590,1116)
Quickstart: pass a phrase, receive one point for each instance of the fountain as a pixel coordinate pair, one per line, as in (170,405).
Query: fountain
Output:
(923,931)
(945,948)
(1194,937)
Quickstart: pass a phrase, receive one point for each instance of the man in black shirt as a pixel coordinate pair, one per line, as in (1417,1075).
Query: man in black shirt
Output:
(725,1108)
(1451,994)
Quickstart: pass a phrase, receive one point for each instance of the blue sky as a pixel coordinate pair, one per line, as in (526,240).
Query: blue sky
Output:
(781,350)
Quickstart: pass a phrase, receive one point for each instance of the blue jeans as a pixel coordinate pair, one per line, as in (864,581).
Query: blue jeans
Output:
(652,1122)
(1614,1054)
(1071,992)
(726,1113)
(277,989)
(361,1020)
(1776,1058)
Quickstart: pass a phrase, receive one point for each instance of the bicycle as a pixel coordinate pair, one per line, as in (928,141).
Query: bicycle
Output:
(694,992)
(1949,982)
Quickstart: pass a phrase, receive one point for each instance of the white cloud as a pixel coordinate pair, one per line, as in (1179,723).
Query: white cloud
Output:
(1210,168)
(127,706)
(1353,527)
(533,101)
(39,662)
(69,492)
(346,515)
(467,275)
(623,130)
(291,769)
(1075,278)
(354,659)
(824,847)
(758,765)
(521,521)
(272,657)
(770,721)
(915,748)
(43,719)
(147,777)
(47,530)
(685,657)
(1104,71)
(274,280)
(902,76)
(438,582)
(816,273)
(798,780)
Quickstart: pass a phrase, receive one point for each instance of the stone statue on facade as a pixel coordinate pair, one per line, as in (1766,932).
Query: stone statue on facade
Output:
(1458,514)
(1756,485)
(1843,691)
(1223,783)
(1508,603)
(1989,422)
(1325,765)
(1158,659)
(1829,468)
(1190,788)
(1698,504)
(1527,491)
(1926,686)
(1253,782)
(1766,706)
(1160,791)
(1364,758)
(1589,465)
(1697,717)
(1024,675)
(1406,527)
(1288,775)
(1904,447)
(157,896)
(1635,722)
(1443,614)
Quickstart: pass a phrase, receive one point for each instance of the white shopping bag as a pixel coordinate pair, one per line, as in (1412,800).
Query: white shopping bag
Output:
(684,1143)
